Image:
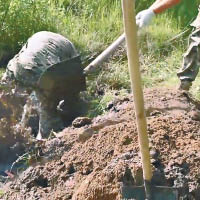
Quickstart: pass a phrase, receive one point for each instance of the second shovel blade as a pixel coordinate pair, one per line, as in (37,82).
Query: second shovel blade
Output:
(158,193)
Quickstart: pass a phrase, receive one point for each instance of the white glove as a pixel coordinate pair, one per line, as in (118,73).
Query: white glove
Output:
(144,17)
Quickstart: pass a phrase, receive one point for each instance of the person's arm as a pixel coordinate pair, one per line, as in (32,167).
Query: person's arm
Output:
(161,5)
(144,17)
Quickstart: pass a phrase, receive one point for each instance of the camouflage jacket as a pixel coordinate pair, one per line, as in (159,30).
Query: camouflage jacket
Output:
(42,50)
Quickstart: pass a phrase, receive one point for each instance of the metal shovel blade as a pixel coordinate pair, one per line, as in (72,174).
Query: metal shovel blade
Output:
(157,192)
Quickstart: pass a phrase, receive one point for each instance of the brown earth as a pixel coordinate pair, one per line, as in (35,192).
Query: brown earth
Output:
(92,162)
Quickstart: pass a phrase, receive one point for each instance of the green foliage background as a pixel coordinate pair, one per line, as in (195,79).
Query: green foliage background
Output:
(90,24)
(22,18)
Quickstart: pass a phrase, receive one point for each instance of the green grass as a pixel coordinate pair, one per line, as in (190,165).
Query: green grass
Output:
(160,56)
(160,59)
(94,26)
(2,70)
(1,193)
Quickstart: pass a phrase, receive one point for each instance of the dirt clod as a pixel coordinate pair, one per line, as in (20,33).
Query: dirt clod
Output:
(81,121)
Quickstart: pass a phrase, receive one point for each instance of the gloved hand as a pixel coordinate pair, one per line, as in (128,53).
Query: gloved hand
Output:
(144,17)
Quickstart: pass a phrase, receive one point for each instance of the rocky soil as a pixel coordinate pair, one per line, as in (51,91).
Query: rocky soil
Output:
(94,158)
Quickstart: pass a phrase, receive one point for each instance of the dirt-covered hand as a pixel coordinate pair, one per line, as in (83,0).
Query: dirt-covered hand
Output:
(144,17)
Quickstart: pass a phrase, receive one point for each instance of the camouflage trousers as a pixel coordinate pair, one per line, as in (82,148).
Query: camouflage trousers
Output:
(191,59)
(49,118)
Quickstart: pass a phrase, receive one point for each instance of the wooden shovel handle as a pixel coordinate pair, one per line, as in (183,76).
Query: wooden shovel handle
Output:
(92,67)
(128,8)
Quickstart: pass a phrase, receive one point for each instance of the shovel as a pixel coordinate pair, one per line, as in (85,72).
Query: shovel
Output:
(147,191)
(93,66)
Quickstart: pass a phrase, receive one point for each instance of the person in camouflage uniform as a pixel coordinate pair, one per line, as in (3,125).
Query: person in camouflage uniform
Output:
(49,68)
(191,59)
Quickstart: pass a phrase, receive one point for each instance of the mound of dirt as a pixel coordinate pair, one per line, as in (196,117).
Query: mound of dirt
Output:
(92,162)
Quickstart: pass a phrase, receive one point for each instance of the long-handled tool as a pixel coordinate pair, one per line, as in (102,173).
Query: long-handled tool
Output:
(148,191)
(92,67)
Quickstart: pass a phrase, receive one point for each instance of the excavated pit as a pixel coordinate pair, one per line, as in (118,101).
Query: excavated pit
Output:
(12,140)
(15,140)
(92,159)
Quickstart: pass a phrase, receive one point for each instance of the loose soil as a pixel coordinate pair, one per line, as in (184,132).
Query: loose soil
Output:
(93,159)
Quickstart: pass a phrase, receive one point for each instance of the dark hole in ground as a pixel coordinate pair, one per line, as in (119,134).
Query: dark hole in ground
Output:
(34,124)
(41,181)
(71,169)
(15,142)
